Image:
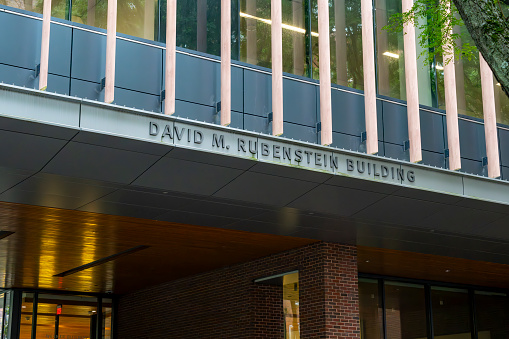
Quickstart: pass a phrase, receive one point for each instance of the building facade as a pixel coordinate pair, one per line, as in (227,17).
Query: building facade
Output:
(321,181)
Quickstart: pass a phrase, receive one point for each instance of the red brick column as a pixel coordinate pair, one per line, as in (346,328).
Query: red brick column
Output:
(226,303)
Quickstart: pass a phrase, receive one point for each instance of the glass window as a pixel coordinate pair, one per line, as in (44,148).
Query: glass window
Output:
(370,309)
(26,321)
(255,34)
(451,313)
(345,42)
(501,104)
(492,312)
(291,305)
(107,318)
(405,311)
(390,57)
(59,8)
(134,17)
(5,326)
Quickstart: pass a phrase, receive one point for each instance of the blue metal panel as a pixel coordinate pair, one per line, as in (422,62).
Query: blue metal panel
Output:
(299,132)
(138,67)
(433,159)
(396,152)
(472,142)
(20,40)
(17,76)
(395,123)
(291,131)
(208,114)
(257,93)
(197,80)
(473,167)
(257,124)
(503,140)
(86,90)
(237,89)
(60,50)
(237,120)
(58,84)
(138,100)
(505,173)
(348,142)
(348,113)
(432,132)
(300,102)
(88,56)
(198,112)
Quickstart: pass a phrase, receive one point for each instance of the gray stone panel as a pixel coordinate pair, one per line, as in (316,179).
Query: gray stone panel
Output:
(432,131)
(395,123)
(472,142)
(299,103)
(257,93)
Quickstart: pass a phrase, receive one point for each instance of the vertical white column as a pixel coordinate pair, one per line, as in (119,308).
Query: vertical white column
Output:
(111,44)
(324,63)
(451,110)
(226,25)
(46,22)
(412,86)
(490,119)
(368,59)
(277,68)
(171,55)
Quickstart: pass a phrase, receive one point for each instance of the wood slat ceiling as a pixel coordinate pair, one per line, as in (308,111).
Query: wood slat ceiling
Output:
(431,267)
(49,241)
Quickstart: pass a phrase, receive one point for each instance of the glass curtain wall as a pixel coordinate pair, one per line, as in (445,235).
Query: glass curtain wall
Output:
(389,49)
(345,30)
(255,34)
(408,310)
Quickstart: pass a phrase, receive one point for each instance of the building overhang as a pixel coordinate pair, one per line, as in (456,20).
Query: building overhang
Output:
(84,155)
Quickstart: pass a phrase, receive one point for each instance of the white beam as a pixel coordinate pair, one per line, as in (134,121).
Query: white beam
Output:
(325,78)
(111,44)
(490,119)
(277,68)
(46,23)
(412,86)
(226,25)
(368,59)
(171,55)
(451,109)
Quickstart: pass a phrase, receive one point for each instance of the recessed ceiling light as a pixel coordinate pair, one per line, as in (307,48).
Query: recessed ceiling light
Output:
(367,260)
(447,271)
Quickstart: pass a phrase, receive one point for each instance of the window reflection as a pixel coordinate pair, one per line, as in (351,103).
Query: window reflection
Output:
(370,309)
(492,312)
(291,305)
(451,313)
(59,8)
(405,311)
(255,34)
(390,57)
(345,42)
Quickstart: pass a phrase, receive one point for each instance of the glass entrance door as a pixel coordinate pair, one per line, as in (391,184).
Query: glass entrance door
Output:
(54,316)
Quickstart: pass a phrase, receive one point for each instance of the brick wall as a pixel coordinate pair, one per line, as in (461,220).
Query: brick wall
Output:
(225,303)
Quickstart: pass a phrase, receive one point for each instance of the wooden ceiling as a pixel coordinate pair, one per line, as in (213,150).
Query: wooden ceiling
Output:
(431,267)
(49,241)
